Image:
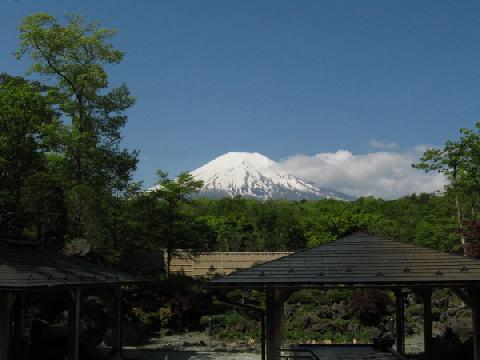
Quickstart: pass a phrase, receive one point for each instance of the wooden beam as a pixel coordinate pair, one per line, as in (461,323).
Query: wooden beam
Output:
(19,329)
(74,325)
(117,324)
(6,304)
(427,323)
(274,312)
(476,323)
(399,322)
(262,338)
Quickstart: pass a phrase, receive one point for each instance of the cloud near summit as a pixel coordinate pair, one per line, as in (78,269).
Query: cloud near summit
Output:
(384,174)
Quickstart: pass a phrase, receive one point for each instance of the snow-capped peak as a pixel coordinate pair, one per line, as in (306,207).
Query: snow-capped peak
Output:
(255,175)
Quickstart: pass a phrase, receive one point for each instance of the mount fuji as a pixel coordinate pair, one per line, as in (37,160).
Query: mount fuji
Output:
(254,175)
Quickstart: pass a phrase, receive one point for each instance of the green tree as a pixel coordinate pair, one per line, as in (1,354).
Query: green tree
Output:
(26,119)
(181,231)
(43,203)
(140,224)
(448,161)
(459,161)
(73,56)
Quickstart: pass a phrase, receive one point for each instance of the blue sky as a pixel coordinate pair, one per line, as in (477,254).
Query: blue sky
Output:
(282,78)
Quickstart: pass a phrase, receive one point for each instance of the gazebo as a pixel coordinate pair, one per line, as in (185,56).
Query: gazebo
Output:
(24,269)
(361,260)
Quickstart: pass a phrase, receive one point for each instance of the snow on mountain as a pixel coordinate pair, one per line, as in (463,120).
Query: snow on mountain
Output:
(256,176)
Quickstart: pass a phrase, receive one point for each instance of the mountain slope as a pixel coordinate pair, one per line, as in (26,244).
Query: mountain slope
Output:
(256,176)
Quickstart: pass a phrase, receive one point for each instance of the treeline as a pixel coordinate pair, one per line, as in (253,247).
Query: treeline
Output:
(249,225)
(239,224)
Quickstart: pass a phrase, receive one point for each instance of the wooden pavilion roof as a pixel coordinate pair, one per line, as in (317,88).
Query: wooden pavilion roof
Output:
(28,269)
(360,260)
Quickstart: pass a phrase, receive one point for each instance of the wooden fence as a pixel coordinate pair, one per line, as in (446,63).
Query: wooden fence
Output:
(223,263)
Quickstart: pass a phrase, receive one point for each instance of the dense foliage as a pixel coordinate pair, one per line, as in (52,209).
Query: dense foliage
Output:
(248,225)
(68,130)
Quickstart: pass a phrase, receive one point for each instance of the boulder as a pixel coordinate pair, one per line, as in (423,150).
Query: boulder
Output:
(339,311)
(325,312)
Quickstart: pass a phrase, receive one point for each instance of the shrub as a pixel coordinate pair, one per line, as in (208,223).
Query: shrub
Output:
(369,305)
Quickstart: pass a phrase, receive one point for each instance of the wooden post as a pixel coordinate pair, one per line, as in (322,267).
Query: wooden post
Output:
(6,304)
(117,324)
(74,326)
(19,330)
(399,322)
(476,323)
(262,338)
(274,318)
(427,323)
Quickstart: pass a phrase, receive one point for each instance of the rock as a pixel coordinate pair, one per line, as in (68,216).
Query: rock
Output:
(412,299)
(353,327)
(339,310)
(443,316)
(290,310)
(78,247)
(324,312)
(408,329)
(452,311)
(375,332)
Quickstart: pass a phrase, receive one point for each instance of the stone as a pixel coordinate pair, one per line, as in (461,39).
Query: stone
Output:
(325,312)
(452,311)
(339,311)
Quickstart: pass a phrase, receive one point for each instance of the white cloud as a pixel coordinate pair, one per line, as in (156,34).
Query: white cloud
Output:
(375,144)
(382,174)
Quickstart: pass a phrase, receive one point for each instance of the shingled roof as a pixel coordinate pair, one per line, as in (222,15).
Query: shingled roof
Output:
(360,260)
(26,268)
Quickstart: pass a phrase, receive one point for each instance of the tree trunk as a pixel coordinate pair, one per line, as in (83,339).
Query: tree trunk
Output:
(459,210)
(169,260)
(460,219)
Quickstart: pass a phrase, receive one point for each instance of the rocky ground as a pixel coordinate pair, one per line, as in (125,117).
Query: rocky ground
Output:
(187,355)
(193,346)
(199,346)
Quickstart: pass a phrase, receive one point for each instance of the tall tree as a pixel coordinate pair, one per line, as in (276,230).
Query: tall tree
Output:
(182,232)
(26,119)
(43,203)
(459,161)
(73,57)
